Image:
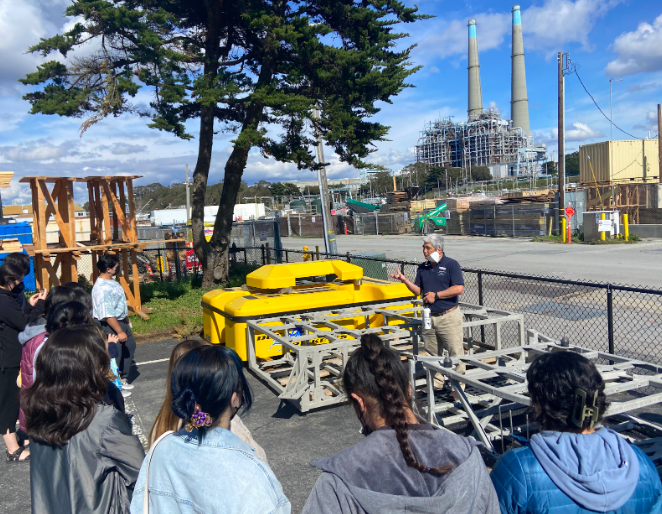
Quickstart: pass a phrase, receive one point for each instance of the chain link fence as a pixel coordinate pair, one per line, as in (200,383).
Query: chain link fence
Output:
(612,318)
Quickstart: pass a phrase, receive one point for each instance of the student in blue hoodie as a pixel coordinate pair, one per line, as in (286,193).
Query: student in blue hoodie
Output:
(570,466)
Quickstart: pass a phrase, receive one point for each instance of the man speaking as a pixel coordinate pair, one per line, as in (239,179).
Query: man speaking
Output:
(439,282)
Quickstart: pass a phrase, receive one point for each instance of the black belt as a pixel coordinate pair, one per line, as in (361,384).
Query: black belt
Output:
(442,313)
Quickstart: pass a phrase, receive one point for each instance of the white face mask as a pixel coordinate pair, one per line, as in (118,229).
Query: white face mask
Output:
(434,257)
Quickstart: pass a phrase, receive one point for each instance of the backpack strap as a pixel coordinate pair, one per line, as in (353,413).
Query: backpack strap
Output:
(149,461)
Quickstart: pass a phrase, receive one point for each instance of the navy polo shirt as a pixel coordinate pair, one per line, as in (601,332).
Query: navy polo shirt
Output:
(439,277)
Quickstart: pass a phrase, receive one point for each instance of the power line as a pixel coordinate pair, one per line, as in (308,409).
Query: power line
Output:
(601,111)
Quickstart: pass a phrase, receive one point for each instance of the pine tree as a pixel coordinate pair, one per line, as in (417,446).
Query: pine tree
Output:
(238,66)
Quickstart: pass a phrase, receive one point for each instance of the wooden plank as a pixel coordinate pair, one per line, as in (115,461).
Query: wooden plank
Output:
(50,279)
(54,194)
(64,229)
(118,211)
(132,210)
(113,193)
(93,211)
(109,247)
(136,284)
(107,238)
(125,225)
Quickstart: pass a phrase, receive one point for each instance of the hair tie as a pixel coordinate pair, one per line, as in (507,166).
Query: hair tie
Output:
(581,412)
(198,419)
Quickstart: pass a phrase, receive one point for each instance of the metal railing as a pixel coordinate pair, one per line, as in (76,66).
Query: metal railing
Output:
(614,318)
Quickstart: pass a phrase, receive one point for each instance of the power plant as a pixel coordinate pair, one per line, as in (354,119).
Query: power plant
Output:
(486,139)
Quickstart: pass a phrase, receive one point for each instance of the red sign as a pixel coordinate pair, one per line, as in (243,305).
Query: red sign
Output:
(569,211)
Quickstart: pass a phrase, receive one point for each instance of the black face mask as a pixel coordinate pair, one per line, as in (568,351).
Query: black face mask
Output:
(18,288)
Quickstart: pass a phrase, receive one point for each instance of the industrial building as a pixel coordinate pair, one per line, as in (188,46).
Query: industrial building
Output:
(486,139)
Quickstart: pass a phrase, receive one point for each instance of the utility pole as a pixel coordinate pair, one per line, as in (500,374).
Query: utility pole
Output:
(329,230)
(561,140)
(188,197)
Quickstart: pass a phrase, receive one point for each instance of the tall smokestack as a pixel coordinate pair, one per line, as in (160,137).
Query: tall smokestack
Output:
(519,103)
(475,95)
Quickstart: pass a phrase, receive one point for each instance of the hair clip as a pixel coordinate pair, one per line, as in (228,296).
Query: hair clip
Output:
(580,412)
(198,420)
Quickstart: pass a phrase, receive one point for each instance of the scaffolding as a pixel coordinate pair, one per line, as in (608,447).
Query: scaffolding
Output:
(486,140)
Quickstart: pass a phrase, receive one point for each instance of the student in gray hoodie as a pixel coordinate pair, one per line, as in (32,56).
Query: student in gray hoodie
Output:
(572,466)
(403,465)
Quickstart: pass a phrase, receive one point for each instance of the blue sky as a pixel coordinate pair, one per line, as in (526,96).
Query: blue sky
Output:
(606,38)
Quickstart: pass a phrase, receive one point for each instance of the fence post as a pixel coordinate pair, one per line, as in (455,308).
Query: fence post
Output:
(610,318)
(289,226)
(263,256)
(349,257)
(178,268)
(268,254)
(480,302)
(159,263)
(317,252)
(402,268)
(245,257)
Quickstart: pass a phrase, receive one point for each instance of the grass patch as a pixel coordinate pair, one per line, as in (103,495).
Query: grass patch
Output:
(176,309)
(556,239)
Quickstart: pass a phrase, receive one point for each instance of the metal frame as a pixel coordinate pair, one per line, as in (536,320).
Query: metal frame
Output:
(309,373)
(495,383)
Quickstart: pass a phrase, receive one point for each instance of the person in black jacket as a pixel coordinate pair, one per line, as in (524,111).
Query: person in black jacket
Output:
(21,261)
(84,456)
(12,322)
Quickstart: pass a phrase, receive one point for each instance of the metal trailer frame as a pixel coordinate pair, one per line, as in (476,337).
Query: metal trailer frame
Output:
(309,373)
(496,385)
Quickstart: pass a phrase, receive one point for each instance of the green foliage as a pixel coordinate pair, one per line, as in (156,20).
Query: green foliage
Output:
(237,66)
(284,189)
(277,57)
(480,173)
(172,196)
(572,164)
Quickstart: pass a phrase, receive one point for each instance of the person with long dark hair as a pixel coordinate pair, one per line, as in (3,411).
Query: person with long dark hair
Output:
(84,456)
(167,420)
(572,464)
(35,335)
(12,322)
(182,470)
(404,464)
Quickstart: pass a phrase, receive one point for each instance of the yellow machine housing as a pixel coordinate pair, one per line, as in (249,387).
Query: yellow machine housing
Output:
(279,289)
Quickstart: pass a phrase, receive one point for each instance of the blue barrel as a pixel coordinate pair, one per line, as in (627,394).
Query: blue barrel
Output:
(23,232)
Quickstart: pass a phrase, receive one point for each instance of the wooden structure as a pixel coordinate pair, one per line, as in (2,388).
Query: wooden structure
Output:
(109,198)
(626,198)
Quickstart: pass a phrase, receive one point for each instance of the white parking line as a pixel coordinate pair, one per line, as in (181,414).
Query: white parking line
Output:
(152,362)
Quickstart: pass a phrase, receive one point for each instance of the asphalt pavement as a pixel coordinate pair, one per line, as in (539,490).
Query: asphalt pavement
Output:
(636,264)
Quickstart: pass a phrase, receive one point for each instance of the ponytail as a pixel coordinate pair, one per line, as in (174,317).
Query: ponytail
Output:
(377,371)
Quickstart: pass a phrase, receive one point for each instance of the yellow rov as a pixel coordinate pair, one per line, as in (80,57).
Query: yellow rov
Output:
(283,289)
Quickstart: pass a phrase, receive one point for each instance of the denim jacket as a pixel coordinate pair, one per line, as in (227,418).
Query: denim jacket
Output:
(221,473)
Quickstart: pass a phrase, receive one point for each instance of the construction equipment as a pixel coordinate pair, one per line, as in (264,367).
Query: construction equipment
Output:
(292,290)
(436,218)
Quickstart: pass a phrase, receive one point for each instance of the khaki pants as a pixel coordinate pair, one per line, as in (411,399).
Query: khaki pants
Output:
(446,333)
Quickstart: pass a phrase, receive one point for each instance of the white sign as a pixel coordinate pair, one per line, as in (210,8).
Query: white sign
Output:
(263,236)
(313,219)
(447,214)
(605,225)
(406,218)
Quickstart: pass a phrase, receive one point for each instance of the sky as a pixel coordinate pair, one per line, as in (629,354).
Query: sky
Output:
(606,39)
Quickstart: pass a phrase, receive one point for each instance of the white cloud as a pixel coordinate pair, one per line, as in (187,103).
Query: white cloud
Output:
(451,38)
(638,51)
(578,132)
(124,148)
(547,28)
(37,151)
(649,124)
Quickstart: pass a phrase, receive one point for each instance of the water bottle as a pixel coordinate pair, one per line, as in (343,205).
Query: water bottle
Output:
(427,319)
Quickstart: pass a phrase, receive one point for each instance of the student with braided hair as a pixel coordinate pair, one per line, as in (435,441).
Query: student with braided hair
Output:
(404,464)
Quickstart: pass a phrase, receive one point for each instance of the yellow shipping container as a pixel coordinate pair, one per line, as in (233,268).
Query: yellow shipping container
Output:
(619,162)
